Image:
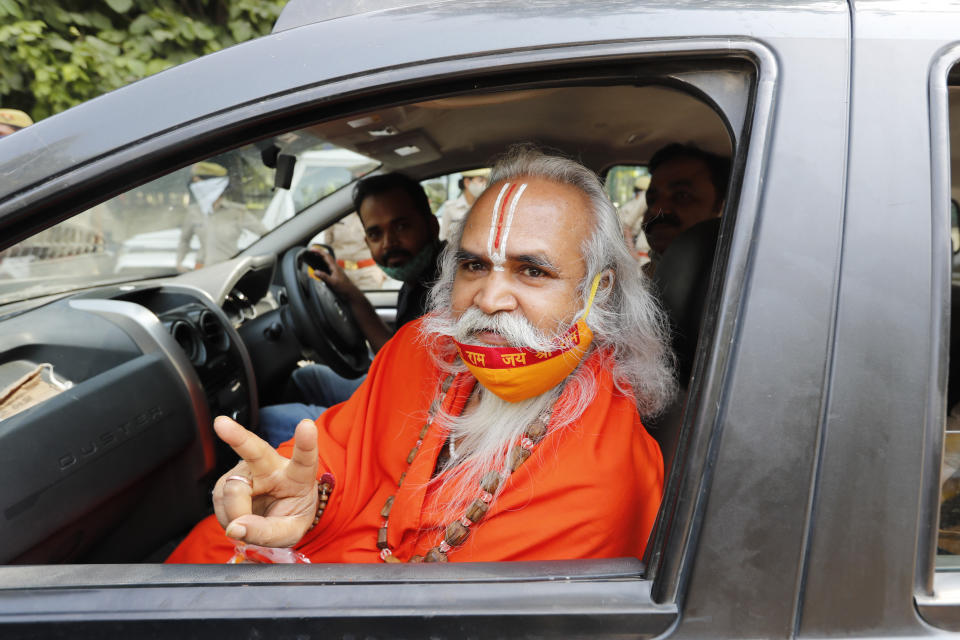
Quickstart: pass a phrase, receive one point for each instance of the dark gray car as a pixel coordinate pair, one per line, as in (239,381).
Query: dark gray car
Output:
(806,455)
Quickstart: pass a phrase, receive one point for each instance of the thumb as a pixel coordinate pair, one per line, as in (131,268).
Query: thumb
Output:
(268,532)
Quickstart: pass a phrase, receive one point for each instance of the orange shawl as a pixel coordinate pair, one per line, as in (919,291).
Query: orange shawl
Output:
(590,490)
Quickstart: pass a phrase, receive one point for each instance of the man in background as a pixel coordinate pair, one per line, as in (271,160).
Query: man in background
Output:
(214,219)
(687,190)
(687,187)
(348,239)
(472,183)
(13,120)
(401,233)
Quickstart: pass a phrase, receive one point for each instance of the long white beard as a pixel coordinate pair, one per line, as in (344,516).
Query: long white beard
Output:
(485,435)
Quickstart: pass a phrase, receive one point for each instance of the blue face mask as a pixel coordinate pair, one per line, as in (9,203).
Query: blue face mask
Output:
(415,267)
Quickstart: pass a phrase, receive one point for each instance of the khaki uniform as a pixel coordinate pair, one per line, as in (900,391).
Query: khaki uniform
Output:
(347,239)
(218,233)
(450,213)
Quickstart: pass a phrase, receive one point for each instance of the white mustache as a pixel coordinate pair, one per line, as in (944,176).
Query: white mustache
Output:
(513,326)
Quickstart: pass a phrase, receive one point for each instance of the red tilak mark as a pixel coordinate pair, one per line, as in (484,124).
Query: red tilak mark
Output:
(502,214)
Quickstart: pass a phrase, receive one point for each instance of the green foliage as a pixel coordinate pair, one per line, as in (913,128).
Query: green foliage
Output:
(60,53)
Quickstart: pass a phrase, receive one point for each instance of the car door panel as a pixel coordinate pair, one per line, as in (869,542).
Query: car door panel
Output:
(126,414)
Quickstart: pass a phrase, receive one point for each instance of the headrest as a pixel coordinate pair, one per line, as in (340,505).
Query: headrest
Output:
(682,279)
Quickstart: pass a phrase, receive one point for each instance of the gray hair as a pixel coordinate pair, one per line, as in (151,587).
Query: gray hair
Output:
(625,318)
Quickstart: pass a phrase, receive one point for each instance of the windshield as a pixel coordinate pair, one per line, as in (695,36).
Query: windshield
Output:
(196,216)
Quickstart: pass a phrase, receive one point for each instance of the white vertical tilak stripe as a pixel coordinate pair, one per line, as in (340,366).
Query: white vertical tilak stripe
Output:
(508,223)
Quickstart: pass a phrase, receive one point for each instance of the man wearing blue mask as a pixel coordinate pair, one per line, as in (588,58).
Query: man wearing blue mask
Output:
(402,235)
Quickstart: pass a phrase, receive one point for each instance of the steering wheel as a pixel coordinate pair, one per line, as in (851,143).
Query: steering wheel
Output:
(321,320)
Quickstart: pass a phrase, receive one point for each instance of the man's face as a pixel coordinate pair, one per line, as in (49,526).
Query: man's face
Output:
(538,255)
(6,130)
(475,185)
(680,196)
(395,229)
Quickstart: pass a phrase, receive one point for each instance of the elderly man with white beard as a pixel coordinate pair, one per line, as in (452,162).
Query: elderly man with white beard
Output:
(504,425)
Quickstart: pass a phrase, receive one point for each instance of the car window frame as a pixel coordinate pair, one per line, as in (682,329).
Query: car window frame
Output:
(620,594)
(937,590)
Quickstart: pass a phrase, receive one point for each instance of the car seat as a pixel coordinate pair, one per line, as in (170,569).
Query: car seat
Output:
(682,282)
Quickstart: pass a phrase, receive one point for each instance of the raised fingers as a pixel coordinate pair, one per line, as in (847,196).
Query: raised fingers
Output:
(303,462)
(258,454)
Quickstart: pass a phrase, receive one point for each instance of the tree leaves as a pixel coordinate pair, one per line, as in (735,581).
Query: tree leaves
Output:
(58,54)
(120,6)
(10,8)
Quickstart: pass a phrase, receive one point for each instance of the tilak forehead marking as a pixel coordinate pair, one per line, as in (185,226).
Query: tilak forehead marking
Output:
(501,221)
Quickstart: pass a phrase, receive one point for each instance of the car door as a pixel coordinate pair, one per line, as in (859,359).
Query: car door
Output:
(872,563)
(732,530)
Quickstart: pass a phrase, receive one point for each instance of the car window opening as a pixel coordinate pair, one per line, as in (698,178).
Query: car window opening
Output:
(948,538)
(669,192)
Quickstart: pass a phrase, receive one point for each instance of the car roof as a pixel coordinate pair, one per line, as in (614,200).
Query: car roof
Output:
(599,125)
(265,83)
(298,13)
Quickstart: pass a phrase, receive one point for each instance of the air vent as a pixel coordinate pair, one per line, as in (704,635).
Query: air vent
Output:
(186,336)
(213,332)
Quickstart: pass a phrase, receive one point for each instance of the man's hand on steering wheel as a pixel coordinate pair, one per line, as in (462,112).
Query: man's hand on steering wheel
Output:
(335,277)
(323,320)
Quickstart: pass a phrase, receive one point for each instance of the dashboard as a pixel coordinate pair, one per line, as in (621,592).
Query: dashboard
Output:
(120,459)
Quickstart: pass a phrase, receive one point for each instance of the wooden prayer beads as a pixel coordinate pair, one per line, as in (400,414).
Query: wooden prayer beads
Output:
(382,538)
(458,531)
(476,510)
(385,512)
(413,454)
(537,430)
(435,555)
(518,455)
(490,481)
(324,489)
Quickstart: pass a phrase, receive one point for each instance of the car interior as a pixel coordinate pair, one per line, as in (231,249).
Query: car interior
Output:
(948,540)
(114,359)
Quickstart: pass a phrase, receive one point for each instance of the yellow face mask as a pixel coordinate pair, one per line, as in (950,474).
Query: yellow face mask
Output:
(516,374)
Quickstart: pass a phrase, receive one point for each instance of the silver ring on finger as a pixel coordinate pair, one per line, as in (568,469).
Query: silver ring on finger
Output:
(243,479)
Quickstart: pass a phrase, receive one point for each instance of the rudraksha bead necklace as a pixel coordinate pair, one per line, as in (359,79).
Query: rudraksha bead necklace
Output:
(458,531)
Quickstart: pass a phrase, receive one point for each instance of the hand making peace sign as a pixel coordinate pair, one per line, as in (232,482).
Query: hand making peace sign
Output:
(267,499)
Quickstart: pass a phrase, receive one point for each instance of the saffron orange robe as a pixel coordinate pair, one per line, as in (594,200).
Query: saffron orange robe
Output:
(590,490)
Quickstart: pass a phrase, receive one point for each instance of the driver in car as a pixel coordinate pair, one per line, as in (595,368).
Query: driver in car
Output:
(402,234)
(503,425)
